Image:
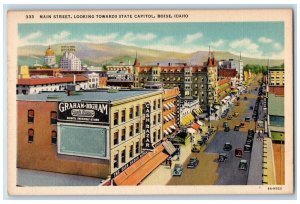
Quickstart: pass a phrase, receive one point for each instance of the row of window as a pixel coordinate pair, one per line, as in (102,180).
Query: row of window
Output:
(134,112)
(131,151)
(31,136)
(53,117)
(133,129)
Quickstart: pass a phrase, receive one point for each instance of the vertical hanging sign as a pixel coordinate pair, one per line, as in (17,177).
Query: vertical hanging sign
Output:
(178,111)
(147,142)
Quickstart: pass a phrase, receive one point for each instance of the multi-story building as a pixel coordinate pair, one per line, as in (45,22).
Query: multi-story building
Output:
(37,85)
(276,76)
(50,58)
(105,134)
(93,82)
(121,75)
(189,111)
(212,81)
(171,112)
(70,62)
(238,65)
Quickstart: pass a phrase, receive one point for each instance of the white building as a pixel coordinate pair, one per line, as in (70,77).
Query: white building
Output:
(188,106)
(238,65)
(37,85)
(49,58)
(70,62)
(93,82)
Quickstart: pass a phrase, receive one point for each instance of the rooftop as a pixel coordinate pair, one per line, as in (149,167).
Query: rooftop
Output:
(51,80)
(101,95)
(227,72)
(276,105)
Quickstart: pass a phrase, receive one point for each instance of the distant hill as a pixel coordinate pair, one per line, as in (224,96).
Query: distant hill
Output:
(113,53)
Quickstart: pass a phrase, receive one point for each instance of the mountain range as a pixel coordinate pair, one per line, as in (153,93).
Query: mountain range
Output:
(114,53)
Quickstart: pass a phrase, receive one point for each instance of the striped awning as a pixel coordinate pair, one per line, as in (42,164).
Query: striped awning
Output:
(173,127)
(169,147)
(166,118)
(166,132)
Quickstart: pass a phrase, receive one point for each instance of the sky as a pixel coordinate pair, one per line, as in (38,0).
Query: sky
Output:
(252,39)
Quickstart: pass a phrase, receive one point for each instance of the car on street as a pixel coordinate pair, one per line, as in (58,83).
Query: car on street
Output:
(193,163)
(237,104)
(178,170)
(238,152)
(195,149)
(222,157)
(243,165)
(245,98)
(236,114)
(242,125)
(247,148)
(236,128)
(251,132)
(227,129)
(249,141)
(247,119)
(229,117)
(225,124)
(227,146)
(251,107)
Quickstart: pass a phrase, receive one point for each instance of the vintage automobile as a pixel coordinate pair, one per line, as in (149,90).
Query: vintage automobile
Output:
(225,124)
(247,148)
(237,104)
(236,114)
(227,129)
(236,128)
(251,107)
(247,119)
(245,98)
(229,117)
(227,146)
(193,163)
(222,157)
(242,125)
(238,152)
(178,170)
(249,141)
(243,165)
(195,149)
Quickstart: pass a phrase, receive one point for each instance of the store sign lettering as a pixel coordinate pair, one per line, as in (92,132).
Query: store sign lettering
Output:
(86,112)
(147,142)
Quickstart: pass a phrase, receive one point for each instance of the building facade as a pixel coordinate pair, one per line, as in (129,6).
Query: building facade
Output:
(50,58)
(99,134)
(276,76)
(70,62)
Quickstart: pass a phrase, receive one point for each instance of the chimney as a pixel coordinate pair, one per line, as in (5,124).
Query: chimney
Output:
(169,64)
(158,64)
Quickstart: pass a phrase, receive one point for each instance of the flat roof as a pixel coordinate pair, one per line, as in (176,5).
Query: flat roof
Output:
(102,95)
(275,105)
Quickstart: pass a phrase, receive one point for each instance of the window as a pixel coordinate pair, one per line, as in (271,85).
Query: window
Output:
(137,147)
(154,105)
(158,118)
(123,115)
(137,111)
(131,151)
(31,116)
(154,120)
(158,103)
(131,130)
(131,113)
(116,118)
(54,137)
(53,116)
(123,156)
(144,124)
(158,135)
(137,128)
(30,135)
(154,136)
(116,161)
(144,109)
(116,138)
(123,136)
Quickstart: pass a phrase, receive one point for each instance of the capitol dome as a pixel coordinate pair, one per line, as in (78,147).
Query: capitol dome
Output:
(49,52)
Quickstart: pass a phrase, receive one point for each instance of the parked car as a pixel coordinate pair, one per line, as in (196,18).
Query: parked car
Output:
(225,124)
(237,104)
(178,170)
(243,165)
(249,141)
(222,157)
(251,107)
(229,117)
(242,125)
(238,152)
(195,149)
(251,132)
(227,146)
(193,163)
(247,148)
(227,129)
(247,119)
(236,128)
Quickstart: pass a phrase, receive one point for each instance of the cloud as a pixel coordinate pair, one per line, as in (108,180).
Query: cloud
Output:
(167,40)
(29,39)
(101,38)
(60,37)
(192,37)
(277,46)
(247,47)
(265,40)
(217,43)
(130,37)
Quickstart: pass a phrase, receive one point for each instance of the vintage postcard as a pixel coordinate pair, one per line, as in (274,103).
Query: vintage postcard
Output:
(150,102)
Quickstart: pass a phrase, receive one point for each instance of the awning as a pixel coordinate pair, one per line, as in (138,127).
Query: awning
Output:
(170,131)
(196,126)
(169,104)
(167,119)
(170,118)
(191,130)
(134,174)
(200,123)
(166,106)
(169,147)
(172,104)
(166,132)
(173,127)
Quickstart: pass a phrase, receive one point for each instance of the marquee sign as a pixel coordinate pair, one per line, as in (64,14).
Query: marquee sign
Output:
(178,111)
(70,48)
(147,144)
(83,112)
